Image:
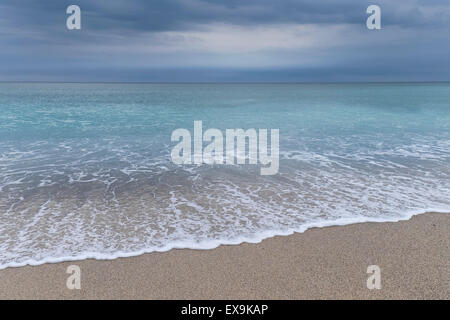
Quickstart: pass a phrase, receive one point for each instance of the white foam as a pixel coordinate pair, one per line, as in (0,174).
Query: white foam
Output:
(71,207)
(212,244)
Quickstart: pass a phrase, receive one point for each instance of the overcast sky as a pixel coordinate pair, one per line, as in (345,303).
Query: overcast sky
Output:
(225,40)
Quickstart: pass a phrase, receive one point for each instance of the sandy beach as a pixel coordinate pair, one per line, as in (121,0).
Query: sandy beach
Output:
(320,263)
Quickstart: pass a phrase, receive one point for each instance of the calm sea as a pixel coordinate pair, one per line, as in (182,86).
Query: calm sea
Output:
(85,169)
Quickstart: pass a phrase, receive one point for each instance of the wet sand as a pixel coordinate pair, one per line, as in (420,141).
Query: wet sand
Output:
(321,263)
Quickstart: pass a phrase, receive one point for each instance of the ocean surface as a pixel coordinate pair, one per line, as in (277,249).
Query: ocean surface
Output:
(85,169)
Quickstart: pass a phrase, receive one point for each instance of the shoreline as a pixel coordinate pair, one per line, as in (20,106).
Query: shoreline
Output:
(326,262)
(213,244)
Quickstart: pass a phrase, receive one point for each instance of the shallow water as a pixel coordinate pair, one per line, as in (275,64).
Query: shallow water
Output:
(85,169)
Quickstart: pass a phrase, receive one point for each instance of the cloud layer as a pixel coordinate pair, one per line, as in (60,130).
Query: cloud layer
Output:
(224,40)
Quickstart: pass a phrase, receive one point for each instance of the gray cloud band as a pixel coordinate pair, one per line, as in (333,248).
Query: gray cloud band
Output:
(235,40)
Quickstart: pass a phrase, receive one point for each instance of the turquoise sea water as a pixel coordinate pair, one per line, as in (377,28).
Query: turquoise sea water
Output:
(85,169)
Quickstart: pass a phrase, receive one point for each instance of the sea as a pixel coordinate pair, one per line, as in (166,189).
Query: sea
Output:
(86,168)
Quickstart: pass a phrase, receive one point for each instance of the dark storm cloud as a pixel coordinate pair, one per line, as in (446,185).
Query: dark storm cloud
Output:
(118,40)
(159,15)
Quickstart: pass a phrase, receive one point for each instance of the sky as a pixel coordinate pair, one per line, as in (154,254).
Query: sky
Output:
(225,41)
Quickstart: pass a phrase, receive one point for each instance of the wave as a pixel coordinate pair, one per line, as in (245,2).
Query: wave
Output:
(214,243)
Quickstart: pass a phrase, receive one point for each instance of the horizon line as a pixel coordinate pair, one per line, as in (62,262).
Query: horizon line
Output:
(225,82)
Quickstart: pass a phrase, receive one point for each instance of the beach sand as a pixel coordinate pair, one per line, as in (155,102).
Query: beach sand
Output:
(321,263)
